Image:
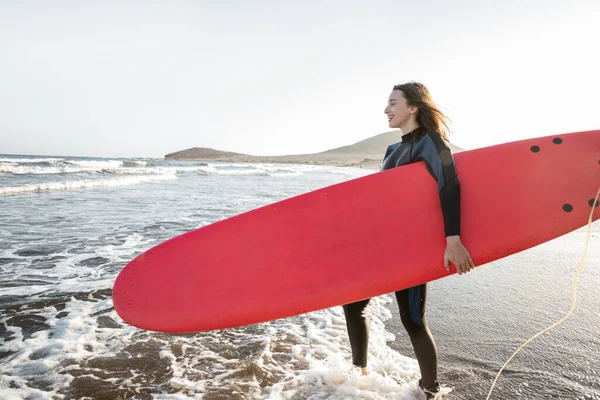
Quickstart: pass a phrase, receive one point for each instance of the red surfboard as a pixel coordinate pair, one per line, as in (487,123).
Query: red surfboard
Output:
(360,238)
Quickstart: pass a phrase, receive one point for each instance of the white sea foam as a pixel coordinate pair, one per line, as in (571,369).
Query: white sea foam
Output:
(275,170)
(55,166)
(29,160)
(82,184)
(39,356)
(134,163)
(38,170)
(50,166)
(307,356)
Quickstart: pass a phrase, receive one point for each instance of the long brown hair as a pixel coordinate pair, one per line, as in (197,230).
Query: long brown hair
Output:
(429,116)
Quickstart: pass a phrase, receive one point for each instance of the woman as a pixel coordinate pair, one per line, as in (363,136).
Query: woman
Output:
(411,108)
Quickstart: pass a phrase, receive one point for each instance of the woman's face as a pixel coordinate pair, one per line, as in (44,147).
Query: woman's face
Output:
(398,111)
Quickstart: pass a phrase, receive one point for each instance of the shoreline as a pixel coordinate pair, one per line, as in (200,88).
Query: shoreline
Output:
(367,162)
(367,153)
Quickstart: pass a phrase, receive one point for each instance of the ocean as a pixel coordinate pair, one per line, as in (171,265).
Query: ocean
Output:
(68,225)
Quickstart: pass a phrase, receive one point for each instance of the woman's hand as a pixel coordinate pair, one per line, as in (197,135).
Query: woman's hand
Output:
(458,255)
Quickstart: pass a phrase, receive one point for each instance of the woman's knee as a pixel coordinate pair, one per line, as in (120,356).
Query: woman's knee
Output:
(414,326)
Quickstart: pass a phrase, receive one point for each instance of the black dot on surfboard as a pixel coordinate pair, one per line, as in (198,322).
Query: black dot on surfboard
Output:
(557,140)
(567,207)
(591,203)
(535,149)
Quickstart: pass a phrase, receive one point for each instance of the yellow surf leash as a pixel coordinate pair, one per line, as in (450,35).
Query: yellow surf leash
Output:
(587,239)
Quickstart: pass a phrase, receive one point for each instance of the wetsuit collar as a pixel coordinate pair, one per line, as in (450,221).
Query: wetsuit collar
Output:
(410,135)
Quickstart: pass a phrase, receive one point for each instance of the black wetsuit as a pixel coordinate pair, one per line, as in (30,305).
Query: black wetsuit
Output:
(430,148)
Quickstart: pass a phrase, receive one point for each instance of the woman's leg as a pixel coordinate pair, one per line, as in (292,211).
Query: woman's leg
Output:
(358,332)
(412,313)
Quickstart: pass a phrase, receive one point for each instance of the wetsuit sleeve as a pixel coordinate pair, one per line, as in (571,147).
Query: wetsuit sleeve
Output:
(440,163)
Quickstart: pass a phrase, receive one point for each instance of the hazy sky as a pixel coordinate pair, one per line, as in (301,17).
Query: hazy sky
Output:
(145,78)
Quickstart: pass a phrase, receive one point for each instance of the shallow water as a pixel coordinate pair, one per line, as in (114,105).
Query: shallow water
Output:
(69,225)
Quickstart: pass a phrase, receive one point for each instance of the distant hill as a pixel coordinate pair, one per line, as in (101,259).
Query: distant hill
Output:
(375,145)
(367,153)
(199,153)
